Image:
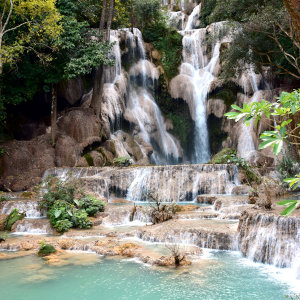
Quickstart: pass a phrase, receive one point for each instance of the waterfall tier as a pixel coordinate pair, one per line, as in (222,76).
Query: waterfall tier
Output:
(167,183)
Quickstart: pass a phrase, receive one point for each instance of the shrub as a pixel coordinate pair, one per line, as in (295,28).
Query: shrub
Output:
(123,161)
(68,205)
(63,225)
(222,156)
(80,219)
(46,249)
(3,197)
(12,218)
(92,205)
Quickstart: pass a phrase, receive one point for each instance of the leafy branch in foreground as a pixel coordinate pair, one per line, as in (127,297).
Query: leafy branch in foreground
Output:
(279,113)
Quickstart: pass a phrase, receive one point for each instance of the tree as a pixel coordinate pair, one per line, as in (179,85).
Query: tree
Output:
(25,25)
(284,131)
(293,7)
(99,77)
(79,51)
(265,28)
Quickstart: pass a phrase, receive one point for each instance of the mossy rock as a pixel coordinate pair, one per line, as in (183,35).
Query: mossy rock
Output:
(89,159)
(28,194)
(219,158)
(12,218)
(46,249)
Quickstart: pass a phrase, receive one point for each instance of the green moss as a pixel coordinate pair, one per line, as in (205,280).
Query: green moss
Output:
(89,159)
(46,249)
(219,157)
(12,218)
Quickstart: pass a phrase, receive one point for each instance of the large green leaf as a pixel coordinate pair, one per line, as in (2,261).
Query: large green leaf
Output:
(290,209)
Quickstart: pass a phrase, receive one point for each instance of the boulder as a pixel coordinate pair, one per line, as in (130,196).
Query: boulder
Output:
(206,199)
(25,162)
(241,190)
(71,90)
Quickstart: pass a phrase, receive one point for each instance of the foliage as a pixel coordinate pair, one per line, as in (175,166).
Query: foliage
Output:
(46,249)
(63,225)
(168,42)
(89,159)
(283,110)
(222,156)
(12,218)
(160,211)
(264,37)
(284,131)
(77,51)
(123,161)
(4,197)
(26,25)
(68,205)
(288,167)
(146,13)
(252,175)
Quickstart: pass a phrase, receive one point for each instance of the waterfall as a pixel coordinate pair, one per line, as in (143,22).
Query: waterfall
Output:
(142,109)
(249,82)
(135,183)
(31,208)
(270,239)
(194,16)
(195,78)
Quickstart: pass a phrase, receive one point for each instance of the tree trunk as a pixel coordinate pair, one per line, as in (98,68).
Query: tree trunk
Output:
(293,7)
(102,20)
(110,16)
(99,76)
(131,16)
(53,113)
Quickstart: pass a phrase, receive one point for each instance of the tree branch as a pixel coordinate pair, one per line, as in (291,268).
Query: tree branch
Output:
(14,28)
(8,17)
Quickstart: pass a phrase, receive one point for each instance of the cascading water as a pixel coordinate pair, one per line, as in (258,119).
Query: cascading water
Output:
(167,183)
(249,82)
(142,109)
(195,78)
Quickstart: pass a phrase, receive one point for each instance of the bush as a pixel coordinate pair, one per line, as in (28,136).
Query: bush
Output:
(123,161)
(4,197)
(80,219)
(46,249)
(63,225)
(92,205)
(12,218)
(168,42)
(222,156)
(68,205)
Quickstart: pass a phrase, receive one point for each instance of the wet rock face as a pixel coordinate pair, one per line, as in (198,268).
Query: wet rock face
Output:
(71,90)
(269,239)
(24,163)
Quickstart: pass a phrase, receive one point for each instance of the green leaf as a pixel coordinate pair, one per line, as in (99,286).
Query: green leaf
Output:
(70,213)
(278,147)
(265,144)
(289,209)
(57,213)
(236,107)
(76,201)
(286,202)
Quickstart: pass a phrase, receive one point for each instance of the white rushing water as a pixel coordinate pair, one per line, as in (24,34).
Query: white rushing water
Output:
(197,73)
(167,183)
